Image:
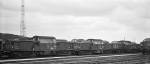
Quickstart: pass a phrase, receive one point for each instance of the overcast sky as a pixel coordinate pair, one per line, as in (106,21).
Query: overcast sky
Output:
(67,19)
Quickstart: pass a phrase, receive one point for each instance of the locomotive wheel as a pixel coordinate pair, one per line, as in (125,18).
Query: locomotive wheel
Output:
(75,52)
(53,53)
(70,53)
(15,55)
(36,53)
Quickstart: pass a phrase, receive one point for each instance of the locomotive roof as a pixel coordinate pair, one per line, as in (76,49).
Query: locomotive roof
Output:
(95,39)
(23,40)
(61,40)
(123,42)
(146,39)
(77,39)
(46,37)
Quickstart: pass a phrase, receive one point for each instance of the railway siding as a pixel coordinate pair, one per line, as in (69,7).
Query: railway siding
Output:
(111,59)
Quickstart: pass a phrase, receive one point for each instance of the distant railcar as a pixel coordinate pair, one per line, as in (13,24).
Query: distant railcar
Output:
(124,46)
(145,46)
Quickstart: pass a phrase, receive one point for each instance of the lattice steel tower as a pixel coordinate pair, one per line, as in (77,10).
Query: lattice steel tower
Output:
(22,23)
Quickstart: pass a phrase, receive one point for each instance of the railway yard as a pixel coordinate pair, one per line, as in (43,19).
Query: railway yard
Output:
(75,32)
(85,59)
(49,50)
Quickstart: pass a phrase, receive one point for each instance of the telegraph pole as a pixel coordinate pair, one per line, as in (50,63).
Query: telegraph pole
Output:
(22,23)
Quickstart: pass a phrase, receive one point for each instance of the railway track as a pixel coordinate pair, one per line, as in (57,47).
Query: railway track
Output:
(116,59)
(140,59)
(49,57)
(106,59)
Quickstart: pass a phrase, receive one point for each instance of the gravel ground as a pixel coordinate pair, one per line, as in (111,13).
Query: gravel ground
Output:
(129,59)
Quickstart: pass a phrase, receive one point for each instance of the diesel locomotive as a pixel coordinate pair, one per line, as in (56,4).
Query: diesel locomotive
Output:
(49,45)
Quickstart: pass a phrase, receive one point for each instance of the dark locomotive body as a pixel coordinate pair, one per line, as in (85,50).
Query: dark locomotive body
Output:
(2,51)
(17,48)
(81,46)
(97,45)
(64,48)
(125,47)
(46,45)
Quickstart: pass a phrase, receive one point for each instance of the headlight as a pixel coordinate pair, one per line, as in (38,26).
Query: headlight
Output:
(52,48)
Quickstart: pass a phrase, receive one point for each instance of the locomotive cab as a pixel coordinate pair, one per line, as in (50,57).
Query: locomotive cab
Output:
(46,45)
(97,45)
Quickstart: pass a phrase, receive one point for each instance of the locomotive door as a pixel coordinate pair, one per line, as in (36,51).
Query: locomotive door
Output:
(1,45)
